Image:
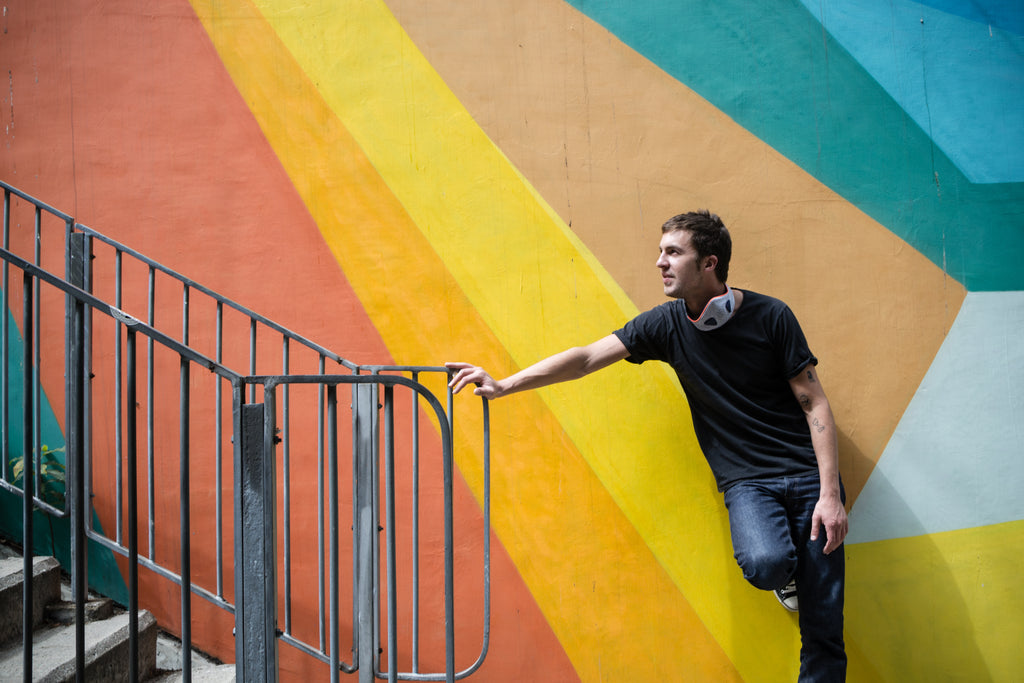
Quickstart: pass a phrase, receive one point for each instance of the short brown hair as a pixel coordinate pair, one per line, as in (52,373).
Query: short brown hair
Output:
(708,235)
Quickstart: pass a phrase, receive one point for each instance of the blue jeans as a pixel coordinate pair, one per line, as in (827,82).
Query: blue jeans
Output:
(770,521)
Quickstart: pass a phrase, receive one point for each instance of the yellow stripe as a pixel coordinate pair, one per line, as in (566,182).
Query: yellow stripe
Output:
(925,605)
(539,290)
(610,603)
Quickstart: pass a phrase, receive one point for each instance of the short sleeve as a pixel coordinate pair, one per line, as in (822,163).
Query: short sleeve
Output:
(795,354)
(645,335)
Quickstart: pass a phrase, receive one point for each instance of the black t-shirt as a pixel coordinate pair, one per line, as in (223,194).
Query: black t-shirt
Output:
(736,379)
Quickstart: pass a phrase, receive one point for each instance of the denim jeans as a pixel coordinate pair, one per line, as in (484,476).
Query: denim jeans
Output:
(770,521)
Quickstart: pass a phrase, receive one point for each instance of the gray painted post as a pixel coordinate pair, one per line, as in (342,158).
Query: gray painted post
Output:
(364,400)
(77,344)
(255,546)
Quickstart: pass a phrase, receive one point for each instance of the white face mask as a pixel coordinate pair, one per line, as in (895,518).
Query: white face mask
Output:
(716,313)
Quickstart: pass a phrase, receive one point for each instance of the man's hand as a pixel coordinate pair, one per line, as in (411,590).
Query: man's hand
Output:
(830,514)
(486,386)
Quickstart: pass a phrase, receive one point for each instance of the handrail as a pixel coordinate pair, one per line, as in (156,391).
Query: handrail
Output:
(185,281)
(41,204)
(97,304)
(367,381)
(219,298)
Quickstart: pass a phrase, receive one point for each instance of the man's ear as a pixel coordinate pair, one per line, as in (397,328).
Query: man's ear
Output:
(710,262)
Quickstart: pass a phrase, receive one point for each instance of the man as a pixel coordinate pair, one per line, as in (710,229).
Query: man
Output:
(760,415)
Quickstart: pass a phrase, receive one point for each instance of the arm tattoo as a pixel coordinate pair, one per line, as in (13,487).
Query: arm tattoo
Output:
(805,400)
(810,376)
(816,423)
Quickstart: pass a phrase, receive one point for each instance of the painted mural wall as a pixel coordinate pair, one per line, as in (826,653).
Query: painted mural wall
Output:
(418,182)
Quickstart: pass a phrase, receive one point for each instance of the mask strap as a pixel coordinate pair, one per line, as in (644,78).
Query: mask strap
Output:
(717,312)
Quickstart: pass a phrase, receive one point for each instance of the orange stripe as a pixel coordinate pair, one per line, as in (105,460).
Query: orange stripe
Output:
(397,275)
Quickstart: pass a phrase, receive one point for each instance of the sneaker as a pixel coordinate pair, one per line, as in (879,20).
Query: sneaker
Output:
(787,597)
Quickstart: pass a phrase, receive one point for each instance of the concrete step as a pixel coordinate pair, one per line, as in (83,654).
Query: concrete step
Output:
(45,590)
(106,660)
(222,673)
(203,670)
(106,633)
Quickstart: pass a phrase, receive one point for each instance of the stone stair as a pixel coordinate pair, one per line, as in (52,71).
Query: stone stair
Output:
(106,634)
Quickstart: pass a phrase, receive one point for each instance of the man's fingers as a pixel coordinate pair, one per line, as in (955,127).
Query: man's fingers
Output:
(835,534)
(466,373)
(460,380)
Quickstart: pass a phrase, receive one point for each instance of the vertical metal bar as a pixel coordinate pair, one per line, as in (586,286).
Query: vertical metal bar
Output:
(69,269)
(184,456)
(219,454)
(4,349)
(415,527)
(80,579)
(286,486)
(268,591)
(449,554)
(242,430)
(184,314)
(37,439)
(356,606)
(150,486)
(320,508)
(73,273)
(186,524)
(132,476)
(118,438)
(28,477)
(389,520)
(270,536)
(332,511)
(374,467)
(485,645)
(252,358)
(86,438)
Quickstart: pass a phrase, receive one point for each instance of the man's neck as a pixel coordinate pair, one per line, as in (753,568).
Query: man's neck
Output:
(696,307)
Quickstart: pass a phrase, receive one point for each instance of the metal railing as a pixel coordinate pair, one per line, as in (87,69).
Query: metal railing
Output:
(278,423)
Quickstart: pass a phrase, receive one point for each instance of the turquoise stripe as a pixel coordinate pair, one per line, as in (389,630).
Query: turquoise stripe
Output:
(51,535)
(954,458)
(773,68)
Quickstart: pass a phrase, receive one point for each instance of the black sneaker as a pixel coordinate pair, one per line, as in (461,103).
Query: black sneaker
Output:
(787,597)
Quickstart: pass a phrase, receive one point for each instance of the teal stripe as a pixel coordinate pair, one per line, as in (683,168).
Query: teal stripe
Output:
(773,68)
(50,535)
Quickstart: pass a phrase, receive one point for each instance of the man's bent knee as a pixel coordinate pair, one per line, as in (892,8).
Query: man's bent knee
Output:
(767,571)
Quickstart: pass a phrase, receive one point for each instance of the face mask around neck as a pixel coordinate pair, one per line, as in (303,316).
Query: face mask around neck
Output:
(716,313)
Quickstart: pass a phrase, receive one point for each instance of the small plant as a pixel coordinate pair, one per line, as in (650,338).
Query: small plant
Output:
(51,475)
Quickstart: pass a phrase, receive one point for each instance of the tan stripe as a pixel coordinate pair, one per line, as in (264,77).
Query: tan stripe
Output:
(616,146)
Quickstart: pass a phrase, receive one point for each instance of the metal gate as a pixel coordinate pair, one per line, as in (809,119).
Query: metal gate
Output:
(269,423)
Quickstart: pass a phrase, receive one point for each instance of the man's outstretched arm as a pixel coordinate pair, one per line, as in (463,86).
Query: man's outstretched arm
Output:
(568,365)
